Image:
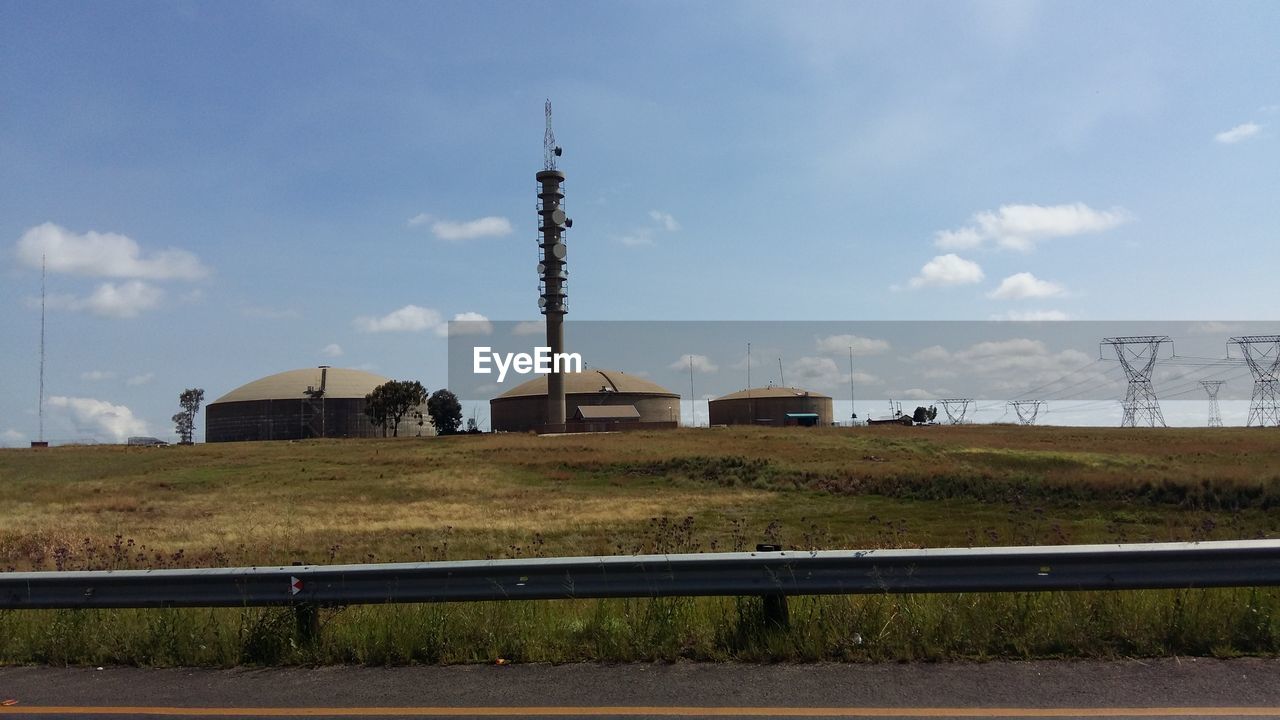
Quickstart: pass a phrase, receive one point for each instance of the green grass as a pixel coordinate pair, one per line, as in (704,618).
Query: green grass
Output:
(692,490)
(979,626)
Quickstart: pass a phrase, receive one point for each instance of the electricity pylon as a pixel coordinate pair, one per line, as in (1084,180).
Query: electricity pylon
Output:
(956,409)
(1215,413)
(1137,355)
(1262,353)
(1027,410)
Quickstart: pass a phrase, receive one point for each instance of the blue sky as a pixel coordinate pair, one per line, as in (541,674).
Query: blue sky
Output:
(226,190)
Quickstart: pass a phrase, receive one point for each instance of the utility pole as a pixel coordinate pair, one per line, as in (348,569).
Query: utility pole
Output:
(853,410)
(1262,353)
(1137,355)
(1215,413)
(1027,410)
(956,409)
(693,408)
(43,275)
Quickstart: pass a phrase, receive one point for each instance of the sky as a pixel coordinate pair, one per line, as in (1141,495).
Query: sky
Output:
(222,191)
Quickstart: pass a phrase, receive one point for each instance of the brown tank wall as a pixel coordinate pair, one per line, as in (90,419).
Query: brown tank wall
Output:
(748,411)
(283,420)
(527,412)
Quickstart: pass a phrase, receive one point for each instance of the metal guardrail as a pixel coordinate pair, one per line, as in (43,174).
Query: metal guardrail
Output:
(771,574)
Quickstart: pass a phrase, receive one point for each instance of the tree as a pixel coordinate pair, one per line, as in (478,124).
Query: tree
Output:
(185,420)
(391,401)
(445,412)
(924,415)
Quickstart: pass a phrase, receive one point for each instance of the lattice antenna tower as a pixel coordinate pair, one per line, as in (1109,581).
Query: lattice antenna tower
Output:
(956,409)
(553,270)
(1027,410)
(550,151)
(1262,353)
(1138,355)
(1215,413)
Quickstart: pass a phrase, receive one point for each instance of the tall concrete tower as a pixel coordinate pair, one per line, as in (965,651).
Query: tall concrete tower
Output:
(554,275)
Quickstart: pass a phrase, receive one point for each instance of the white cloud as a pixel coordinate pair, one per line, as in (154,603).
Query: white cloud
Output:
(467,323)
(457,231)
(1010,365)
(409,318)
(1238,133)
(946,270)
(141,379)
(637,238)
(965,238)
(529,327)
(12,437)
(1020,227)
(933,353)
(125,300)
(917,394)
(701,363)
(104,255)
(1032,315)
(821,373)
(99,418)
(1023,285)
(332,350)
(664,220)
(840,344)
(97,375)
(1215,327)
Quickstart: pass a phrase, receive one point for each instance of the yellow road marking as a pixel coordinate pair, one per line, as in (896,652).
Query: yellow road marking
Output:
(907,712)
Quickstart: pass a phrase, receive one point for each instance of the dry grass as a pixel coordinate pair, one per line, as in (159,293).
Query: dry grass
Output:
(508,495)
(519,495)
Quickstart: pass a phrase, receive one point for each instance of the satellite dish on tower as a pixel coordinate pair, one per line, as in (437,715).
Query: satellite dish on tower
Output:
(558,251)
(558,217)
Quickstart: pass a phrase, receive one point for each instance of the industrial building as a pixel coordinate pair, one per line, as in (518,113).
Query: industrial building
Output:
(776,406)
(299,404)
(595,400)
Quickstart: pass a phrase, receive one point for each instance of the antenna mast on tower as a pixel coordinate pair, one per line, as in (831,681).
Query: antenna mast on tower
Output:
(549,149)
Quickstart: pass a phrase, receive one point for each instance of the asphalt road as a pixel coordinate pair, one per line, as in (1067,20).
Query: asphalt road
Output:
(1161,688)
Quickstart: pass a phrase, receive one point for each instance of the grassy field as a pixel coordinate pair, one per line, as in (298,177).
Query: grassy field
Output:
(689,490)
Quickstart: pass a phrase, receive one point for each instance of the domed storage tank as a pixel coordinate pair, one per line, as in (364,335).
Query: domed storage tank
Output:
(524,407)
(776,406)
(299,404)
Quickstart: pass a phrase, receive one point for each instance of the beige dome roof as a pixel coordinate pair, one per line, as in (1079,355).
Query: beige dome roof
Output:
(771,392)
(590,381)
(291,385)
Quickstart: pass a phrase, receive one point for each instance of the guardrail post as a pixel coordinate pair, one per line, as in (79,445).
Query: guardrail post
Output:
(307,617)
(775,611)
